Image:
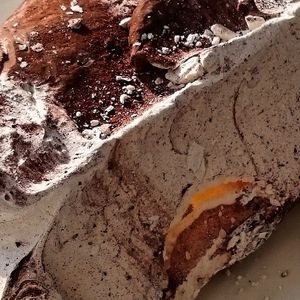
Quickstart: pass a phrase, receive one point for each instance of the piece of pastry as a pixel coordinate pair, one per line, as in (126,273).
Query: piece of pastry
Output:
(140,158)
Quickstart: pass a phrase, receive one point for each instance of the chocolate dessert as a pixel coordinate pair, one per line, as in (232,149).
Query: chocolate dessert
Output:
(146,145)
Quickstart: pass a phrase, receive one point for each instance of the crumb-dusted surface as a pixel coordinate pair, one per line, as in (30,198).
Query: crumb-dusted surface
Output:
(163,20)
(83,64)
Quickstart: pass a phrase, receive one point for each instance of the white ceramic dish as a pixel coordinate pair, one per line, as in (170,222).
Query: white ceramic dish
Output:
(258,277)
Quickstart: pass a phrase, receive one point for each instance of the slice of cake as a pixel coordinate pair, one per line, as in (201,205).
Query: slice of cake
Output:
(145,145)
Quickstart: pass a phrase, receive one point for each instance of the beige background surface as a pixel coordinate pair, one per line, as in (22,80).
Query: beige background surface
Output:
(258,277)
(6,6)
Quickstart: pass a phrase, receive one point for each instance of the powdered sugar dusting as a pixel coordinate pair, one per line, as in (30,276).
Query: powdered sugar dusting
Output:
(37,138)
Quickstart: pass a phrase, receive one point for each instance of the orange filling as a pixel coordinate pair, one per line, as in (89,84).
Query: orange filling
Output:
(221,193)
(218,191)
